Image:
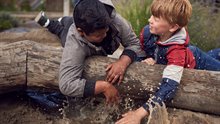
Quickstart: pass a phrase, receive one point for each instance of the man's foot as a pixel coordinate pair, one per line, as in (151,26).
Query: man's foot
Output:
(42,19)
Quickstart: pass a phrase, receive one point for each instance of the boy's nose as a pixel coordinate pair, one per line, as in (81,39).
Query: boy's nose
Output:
(150,20)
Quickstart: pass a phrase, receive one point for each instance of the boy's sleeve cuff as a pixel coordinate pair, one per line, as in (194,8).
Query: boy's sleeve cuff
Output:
(146,107)
(89,89)
(130,53)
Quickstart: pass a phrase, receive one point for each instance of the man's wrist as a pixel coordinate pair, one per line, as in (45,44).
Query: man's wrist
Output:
(130,53)
(125,60)
(89,88)
(101,86)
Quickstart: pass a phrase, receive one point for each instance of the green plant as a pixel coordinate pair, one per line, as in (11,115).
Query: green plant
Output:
(204,27)
(7,21)
(9,5)
(25,5)
(137,12)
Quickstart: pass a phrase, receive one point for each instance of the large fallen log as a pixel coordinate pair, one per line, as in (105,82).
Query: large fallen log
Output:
(199,90)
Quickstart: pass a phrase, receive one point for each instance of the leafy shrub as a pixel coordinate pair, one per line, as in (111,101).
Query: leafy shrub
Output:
(7,21)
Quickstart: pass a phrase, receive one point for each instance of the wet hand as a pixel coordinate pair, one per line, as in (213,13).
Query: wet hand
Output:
(111,95)
(149,61)
(110,92)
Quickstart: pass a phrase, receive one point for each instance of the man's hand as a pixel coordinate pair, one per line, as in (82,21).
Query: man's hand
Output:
(149,61)
(110,92)
(133,117)
(117,69)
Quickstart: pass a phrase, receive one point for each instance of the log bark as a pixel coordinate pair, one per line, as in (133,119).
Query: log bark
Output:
(198,91)
(38,35)
(12,67)
(178,116)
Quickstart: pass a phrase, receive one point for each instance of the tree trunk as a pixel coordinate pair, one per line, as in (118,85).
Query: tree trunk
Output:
(198,91)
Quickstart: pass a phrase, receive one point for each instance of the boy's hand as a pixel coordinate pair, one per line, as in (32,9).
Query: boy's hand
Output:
(133,117)
(110,92)
(117,69)
(149,61)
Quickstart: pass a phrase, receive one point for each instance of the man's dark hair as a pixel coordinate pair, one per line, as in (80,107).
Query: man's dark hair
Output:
(91,15)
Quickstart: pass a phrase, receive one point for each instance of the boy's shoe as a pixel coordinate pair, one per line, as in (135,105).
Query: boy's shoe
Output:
(42,19)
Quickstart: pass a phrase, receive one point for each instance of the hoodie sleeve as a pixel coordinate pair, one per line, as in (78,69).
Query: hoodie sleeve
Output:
(129,39)
(172,75)
(71,82)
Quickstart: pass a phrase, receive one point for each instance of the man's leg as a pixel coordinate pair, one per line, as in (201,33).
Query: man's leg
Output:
(58,27)
(66,22)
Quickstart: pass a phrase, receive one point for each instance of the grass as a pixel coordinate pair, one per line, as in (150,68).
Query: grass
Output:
(204,26)
(7,21)
(137,12)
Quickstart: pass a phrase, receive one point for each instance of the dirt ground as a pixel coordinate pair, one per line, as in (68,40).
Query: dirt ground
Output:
(15,109)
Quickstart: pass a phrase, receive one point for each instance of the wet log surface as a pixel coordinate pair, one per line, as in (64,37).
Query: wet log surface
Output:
(32,64)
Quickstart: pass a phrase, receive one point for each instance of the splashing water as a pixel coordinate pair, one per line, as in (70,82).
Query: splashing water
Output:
(158,115)
(89,111)
(94,111)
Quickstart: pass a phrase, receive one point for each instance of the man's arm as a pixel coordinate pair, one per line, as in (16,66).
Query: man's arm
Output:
(71,82)
(70,75)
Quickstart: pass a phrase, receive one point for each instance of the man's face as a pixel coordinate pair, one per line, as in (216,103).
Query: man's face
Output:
(158,26)
(97,36)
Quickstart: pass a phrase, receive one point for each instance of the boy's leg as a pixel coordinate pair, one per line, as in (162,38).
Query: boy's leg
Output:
(204,61)
(59,28)
(215,53)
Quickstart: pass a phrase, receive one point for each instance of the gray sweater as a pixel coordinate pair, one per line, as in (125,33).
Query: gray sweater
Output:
(77,49)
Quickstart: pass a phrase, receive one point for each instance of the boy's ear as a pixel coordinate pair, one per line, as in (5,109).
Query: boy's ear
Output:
(174,28)
(80,31)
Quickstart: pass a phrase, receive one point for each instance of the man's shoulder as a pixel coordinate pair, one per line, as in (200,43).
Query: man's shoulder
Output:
(73,37)
(120,22)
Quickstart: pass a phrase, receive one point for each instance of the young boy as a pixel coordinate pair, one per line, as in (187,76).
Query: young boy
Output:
(165,41)
(95,29)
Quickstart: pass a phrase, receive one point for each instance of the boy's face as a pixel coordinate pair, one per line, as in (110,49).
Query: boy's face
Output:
(97,36)
(159,26)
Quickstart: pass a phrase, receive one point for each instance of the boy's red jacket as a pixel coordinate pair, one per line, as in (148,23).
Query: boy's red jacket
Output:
(174,53)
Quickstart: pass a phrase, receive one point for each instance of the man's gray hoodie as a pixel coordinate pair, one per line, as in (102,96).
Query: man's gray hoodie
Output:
(77,49)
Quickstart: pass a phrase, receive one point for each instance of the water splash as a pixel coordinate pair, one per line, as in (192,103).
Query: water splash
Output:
(158,115)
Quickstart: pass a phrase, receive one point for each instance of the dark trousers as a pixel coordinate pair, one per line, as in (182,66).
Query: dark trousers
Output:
(215,53)
(206,61)
(60,28)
